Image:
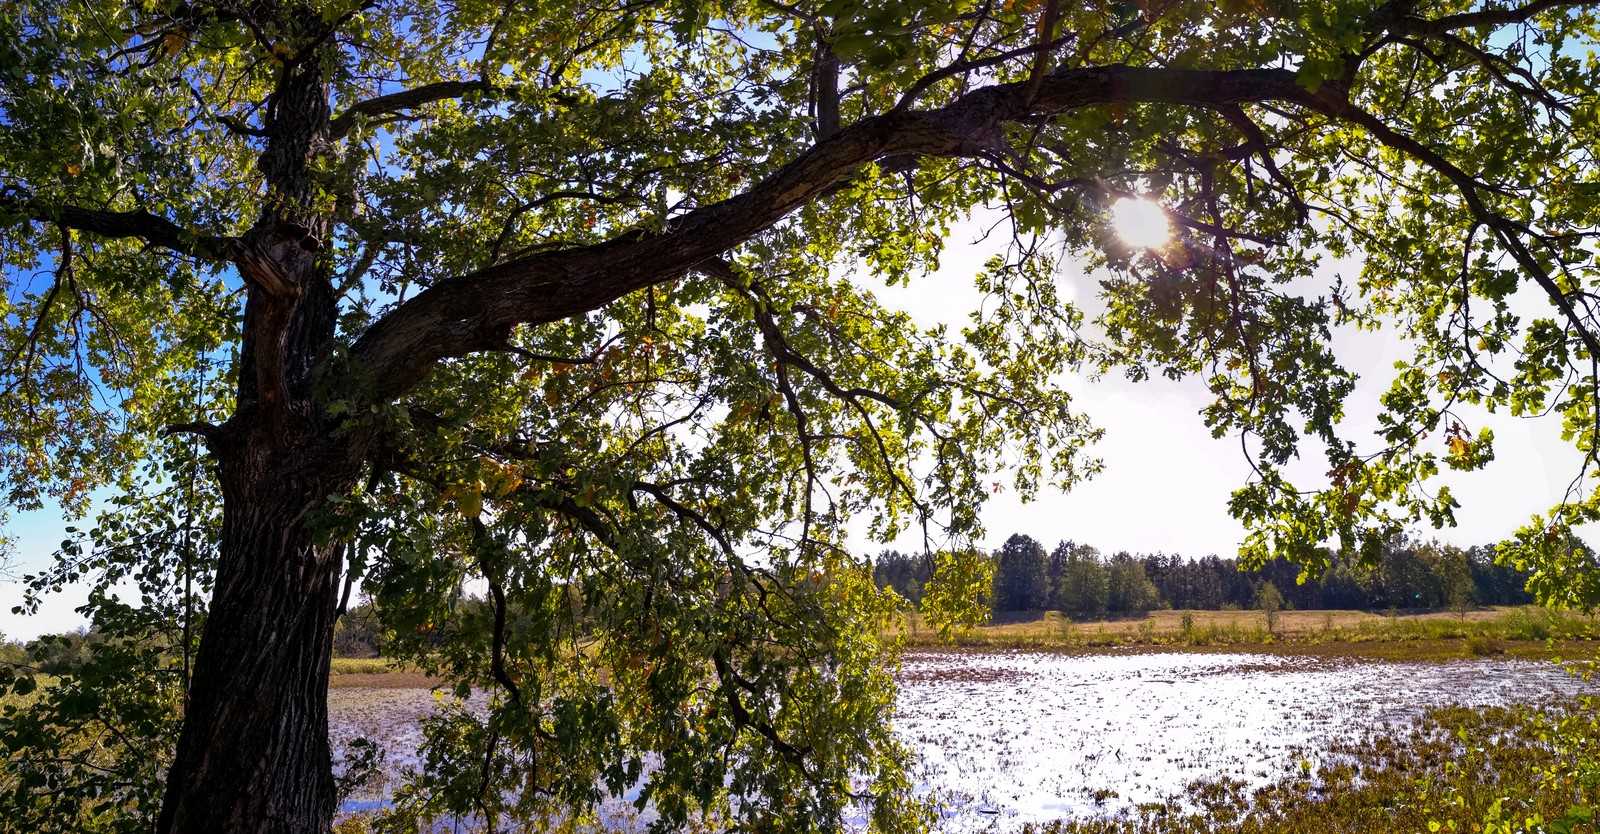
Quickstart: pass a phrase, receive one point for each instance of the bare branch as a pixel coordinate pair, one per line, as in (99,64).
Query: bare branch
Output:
(922,84)
(717,534)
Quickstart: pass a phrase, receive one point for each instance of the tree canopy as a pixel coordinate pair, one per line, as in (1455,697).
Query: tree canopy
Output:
(1021,579)
(571,304)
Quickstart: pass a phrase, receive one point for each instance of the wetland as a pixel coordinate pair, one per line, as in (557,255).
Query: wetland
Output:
(1009,739)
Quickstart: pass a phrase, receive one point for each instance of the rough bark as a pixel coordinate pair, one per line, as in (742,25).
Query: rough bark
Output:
(253,755)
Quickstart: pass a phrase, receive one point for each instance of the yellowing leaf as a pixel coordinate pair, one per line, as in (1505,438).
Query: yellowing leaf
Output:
(470,500)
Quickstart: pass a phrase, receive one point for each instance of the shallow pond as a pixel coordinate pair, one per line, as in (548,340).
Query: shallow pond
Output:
(1023,736)
(1011,737)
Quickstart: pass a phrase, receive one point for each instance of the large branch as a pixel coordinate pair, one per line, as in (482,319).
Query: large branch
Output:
(402,101)
(150,228)
(479,311)
(1487,17)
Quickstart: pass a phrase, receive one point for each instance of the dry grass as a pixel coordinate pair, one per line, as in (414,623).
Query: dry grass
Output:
(361,666)
(1528,632)
(1515,632)
(41,682)
(378,673)
(392,679)
(1310,622)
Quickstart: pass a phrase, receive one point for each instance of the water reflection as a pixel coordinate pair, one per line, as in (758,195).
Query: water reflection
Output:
(1011,737)
(1030,737)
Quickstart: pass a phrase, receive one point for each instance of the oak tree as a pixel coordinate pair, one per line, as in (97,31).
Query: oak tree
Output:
(570,305)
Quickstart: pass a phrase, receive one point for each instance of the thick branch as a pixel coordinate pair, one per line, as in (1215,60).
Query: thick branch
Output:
(210,432)
(1469,20)
(150,228)
(825,91)
(479,311)
(401,101)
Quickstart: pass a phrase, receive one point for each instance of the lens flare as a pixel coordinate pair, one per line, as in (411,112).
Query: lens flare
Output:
(1141,223)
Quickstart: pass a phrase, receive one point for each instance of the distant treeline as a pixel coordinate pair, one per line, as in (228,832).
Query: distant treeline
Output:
(1079,581)
(1075,579)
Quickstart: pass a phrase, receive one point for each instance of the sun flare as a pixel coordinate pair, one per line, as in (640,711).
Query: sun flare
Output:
(1141,224)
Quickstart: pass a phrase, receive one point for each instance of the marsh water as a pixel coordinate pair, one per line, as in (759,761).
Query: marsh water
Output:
(1005,738)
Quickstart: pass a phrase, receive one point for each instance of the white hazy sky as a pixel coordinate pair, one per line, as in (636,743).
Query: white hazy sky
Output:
(1166,482)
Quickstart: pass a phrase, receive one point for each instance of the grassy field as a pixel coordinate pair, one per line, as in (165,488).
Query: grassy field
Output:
(377,673)
(1516,632)
(1528,632)
(361,666)
(9,698)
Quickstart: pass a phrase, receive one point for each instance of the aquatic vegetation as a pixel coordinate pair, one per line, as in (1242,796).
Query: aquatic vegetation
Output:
(1041,736)
(1140,741)
(1491,769)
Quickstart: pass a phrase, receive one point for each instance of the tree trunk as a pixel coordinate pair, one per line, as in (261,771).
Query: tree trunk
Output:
(253,755)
